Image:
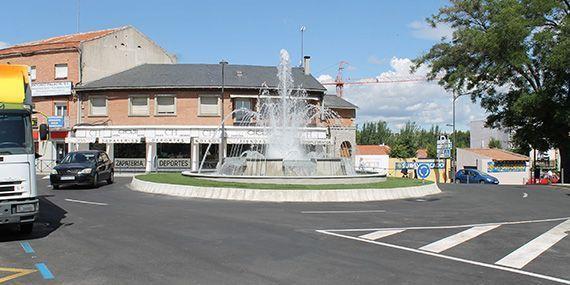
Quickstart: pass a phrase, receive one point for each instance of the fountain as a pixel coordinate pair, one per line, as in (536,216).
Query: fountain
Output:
(283,116)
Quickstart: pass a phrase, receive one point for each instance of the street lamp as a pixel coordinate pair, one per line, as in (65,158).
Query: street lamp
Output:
(454,145)
(222,149)
(303,29)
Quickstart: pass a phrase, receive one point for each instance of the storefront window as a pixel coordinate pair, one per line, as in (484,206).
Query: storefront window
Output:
(211,155)
(173,150)
(130,150)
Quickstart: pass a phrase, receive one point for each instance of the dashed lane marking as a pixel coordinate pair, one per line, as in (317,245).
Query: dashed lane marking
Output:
(27,247)
(18,272)
(44,270)
(86,202)
(343,212)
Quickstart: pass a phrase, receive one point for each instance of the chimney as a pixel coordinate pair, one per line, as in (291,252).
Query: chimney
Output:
(307,64)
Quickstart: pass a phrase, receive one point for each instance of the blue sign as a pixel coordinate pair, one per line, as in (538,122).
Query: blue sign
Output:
(56,122)
(423,171)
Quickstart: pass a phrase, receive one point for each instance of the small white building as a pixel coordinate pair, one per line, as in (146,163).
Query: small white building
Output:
(508,167)
(372,157)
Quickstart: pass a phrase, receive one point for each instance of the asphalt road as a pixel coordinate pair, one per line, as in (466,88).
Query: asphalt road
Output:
(129,237)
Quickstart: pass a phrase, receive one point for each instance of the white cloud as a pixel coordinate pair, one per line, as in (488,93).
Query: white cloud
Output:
(4,45)
(424,102)
(422,30)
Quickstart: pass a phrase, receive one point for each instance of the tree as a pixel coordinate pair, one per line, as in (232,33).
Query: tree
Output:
(514,56)
(495,143)
(374,133)
(400,151)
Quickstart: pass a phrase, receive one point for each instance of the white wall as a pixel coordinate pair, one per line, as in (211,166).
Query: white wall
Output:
(467,158)
(371,162)
(119,51)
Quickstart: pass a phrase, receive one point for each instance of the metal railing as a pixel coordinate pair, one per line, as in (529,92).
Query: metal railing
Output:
(44,165)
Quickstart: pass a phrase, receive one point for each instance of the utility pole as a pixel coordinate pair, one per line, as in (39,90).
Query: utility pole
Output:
(222,149)
(454,145)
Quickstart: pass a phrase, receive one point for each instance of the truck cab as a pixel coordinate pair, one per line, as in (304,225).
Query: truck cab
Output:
(18,190)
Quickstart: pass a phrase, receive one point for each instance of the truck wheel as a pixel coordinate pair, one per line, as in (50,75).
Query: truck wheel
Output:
(111,178)
(26,228)
(55,187)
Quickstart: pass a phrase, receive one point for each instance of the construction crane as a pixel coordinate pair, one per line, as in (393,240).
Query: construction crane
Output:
(340,82)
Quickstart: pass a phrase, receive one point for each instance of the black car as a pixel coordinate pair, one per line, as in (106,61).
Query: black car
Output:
(83,168)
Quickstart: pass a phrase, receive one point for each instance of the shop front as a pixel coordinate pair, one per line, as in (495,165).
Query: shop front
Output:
(175,148)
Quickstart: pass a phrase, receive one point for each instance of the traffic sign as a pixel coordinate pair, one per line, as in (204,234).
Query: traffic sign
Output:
(444,146)
(423,171)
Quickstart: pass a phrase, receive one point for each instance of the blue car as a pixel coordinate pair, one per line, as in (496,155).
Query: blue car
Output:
(474,176)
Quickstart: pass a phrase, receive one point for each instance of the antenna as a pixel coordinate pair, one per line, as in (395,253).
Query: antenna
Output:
(303,29)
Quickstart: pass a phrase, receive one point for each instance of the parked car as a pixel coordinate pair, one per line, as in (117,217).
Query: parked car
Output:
(474,176)
(83,168)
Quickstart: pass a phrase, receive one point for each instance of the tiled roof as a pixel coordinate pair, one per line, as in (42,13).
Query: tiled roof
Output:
(200,76)
(59,42)
(422,153)
(372,149)
(497,154)
(335,102)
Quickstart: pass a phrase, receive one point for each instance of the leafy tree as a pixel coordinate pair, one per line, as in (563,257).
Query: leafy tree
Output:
(514,56)
(495,143)
(400,151)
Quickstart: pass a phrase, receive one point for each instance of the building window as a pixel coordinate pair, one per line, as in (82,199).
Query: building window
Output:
(138,105)
(60,109)
(98,106)
(241,104)
(33,73)
(61,71)
(165,105)
(209,105)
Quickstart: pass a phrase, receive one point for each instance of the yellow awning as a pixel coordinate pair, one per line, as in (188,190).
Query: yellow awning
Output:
(13,81)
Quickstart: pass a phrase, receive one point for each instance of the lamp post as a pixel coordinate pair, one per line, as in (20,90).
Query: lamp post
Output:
(454,145)
(303,29)
(222,150)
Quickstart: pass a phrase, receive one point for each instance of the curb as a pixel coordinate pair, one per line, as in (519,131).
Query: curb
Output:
(263,195)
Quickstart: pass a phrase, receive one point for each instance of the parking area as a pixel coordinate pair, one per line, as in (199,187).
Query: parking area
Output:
(469,234)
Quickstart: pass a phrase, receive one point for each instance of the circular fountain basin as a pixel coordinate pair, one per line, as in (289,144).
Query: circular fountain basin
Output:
(359,178)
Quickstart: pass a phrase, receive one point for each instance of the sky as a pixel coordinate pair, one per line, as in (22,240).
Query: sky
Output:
(377,38)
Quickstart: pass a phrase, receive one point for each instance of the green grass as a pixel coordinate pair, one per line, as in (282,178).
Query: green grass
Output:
(179,179)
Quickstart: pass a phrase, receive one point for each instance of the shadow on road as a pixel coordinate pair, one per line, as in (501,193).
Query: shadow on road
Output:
(48,222)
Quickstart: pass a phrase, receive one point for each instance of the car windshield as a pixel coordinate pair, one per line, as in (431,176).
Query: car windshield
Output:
(79,157)
(16,133)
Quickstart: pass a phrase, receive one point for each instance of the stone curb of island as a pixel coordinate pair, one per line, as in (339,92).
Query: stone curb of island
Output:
(266,195)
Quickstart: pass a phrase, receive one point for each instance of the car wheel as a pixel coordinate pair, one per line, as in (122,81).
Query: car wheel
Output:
(55,187)
(26,228)
(111,178)
(481,182)
(95,181)
(456,181)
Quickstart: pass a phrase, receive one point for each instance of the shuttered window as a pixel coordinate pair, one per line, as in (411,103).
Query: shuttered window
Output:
(165,105)
(61,71)
(209,105)
(138,105)
(98,106)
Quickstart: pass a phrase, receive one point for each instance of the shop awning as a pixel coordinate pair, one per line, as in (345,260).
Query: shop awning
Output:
(79,140)
(120,140)
(169,139)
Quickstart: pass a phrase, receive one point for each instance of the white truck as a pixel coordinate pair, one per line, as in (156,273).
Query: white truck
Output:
(18,189)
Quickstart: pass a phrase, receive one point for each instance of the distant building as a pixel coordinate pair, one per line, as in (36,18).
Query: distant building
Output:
(481,135)
(422,153)
(59,64)
(508,167)
(372,157)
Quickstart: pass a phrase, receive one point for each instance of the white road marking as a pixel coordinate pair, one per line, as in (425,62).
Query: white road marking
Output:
(525,195)
(343,212)
(450,227)
(482,264)
(526,253)
(87,202)
(380,234)
(456,239)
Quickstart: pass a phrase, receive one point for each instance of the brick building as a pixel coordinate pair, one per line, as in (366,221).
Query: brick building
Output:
(60,63)
(164,116)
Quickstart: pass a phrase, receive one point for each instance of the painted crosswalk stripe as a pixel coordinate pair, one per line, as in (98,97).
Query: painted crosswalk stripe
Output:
(380,234)
(456,239)
(526,253)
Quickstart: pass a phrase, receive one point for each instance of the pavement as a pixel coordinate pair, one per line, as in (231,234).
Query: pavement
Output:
(468,234)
